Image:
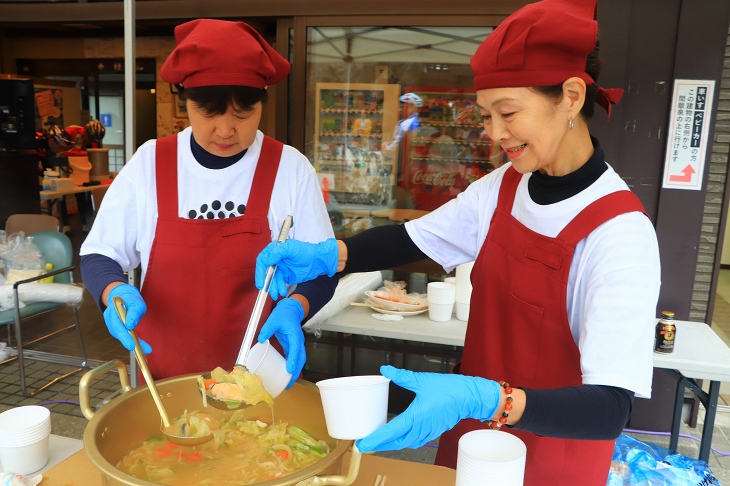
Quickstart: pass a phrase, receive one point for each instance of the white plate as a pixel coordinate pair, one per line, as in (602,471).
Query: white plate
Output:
(395,306)
(397,313)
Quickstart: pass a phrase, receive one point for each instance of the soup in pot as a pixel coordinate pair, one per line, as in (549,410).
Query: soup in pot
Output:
(241,452)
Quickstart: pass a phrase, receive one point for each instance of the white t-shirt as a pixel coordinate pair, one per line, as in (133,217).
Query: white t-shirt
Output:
(614,277)
(124,228)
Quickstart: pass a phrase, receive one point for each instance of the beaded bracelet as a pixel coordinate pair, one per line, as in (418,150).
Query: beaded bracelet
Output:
(497,424)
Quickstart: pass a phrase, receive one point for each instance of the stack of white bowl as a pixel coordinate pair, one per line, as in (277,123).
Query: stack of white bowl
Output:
(463,290)
(491,454)
(24,434)
(441,297)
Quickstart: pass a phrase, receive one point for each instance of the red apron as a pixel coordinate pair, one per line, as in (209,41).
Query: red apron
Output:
(520,332)
(199,285)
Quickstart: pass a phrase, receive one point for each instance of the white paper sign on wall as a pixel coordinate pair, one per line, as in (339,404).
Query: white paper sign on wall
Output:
(689,127)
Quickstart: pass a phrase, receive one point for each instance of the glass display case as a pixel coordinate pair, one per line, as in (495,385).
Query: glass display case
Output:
(352,121)
(444,148)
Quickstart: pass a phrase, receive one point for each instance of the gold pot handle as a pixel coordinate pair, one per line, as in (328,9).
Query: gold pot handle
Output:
(338,480)
(84,401)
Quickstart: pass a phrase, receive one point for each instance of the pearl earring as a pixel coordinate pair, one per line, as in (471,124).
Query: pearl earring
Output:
(570,124)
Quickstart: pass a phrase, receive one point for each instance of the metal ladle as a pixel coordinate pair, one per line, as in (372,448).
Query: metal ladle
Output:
(167,429)
(253,322)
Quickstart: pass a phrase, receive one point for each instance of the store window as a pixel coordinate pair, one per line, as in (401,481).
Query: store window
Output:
(391,122)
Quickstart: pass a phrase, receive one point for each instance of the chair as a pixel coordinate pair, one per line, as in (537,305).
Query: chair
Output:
(30,223)
(56,249)
(97,195)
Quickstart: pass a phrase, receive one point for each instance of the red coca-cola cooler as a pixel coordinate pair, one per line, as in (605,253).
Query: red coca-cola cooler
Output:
(444,145)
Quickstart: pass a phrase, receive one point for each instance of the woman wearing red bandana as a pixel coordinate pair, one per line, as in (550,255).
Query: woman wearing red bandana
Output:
(194,209)
(566,275)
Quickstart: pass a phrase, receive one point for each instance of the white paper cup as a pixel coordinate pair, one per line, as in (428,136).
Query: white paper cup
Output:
(25,459)
(440,312)
(354,406)
(440,293)
(264,360)
(462,311)
(24,433)
(492,454)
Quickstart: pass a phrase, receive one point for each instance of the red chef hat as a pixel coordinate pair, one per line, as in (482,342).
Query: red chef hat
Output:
(541,44)
(222,53)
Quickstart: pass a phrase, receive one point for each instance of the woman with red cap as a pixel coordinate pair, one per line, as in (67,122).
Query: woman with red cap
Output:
(194,209)
(566,275)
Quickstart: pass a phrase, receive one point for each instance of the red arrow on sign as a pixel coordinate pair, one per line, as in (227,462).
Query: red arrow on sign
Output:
(686,176)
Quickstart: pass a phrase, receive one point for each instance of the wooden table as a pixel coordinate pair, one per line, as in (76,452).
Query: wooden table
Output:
(699,354)
(53,196)
(78,470)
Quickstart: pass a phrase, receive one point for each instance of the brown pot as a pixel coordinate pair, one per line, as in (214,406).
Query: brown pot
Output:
(131,418)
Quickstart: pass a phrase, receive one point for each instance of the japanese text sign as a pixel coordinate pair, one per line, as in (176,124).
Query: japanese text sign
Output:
(688,134)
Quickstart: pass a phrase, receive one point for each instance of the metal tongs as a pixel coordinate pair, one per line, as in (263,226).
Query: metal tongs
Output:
(253,321)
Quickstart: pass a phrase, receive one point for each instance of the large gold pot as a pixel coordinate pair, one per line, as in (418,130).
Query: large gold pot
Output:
(131,418)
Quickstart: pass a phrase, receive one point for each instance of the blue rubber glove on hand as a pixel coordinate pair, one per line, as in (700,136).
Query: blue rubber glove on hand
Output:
(136,308)
(442,400)
(285,322)
(297,262)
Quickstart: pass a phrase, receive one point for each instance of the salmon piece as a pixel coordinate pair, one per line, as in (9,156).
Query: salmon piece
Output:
(227,391)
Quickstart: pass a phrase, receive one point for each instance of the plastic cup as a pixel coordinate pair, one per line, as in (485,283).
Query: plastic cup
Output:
(491,454)
(354,406)
(24,434)
(462,311)
(440,312)
(264,360)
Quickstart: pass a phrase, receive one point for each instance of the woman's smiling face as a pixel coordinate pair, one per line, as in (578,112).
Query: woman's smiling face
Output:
(227,134)
(529,126)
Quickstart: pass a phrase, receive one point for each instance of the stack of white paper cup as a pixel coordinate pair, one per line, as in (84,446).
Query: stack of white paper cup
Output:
(441,297)
(463,290)
(24,434)
(491,454)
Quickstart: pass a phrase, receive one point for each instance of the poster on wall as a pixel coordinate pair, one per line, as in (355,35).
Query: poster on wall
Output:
(49,108)
(689,127)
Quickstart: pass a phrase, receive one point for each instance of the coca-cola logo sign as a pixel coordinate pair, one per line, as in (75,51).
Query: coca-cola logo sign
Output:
(447,179)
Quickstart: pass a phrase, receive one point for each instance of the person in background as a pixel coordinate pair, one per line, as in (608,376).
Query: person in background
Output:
(195,209)
(566,276)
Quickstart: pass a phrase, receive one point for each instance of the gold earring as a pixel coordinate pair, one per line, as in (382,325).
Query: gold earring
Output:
(570,124)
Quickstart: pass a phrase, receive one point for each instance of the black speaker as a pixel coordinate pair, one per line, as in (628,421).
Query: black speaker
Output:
(17,114)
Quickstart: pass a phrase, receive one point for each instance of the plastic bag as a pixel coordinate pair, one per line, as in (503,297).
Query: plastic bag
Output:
(21,258)
(636,463)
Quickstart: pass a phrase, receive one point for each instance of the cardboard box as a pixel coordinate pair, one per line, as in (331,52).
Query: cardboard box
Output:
(63,184)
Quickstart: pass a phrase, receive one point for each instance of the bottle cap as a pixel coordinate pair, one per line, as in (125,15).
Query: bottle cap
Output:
(668,314)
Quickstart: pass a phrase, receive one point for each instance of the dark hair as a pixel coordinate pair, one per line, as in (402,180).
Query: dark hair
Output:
(593,68)
(215,100)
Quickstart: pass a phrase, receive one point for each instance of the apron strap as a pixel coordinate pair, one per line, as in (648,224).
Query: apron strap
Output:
(597,213)
(508,189)
(166,177)
(264,177)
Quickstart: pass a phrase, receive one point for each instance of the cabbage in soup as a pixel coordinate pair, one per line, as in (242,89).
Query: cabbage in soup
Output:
(241,452)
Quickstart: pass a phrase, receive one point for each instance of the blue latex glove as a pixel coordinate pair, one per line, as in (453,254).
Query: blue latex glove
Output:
(285,322)
(297,262)
(442,400)
(136,308)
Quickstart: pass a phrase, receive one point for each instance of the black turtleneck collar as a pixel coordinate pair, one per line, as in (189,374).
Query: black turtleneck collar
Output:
(210,161)
(545,189)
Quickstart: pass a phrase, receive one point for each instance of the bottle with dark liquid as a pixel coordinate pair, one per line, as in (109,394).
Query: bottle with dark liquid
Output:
(665,333)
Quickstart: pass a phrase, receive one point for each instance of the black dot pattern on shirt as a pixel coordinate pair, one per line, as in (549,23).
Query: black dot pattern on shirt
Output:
(217,210)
